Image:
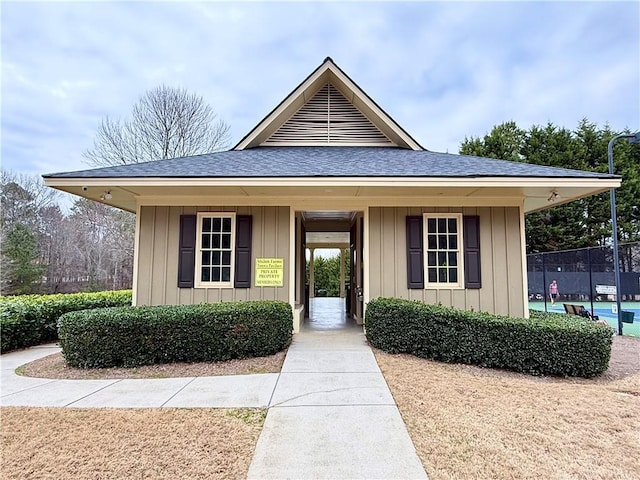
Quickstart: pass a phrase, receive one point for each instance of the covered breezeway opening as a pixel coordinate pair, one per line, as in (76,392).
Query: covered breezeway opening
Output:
(336,235)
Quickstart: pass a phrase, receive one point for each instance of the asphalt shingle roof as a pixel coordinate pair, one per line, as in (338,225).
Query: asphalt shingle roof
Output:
(265,162)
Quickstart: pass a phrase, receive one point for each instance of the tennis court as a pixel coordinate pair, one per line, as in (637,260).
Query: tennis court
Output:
(603,310)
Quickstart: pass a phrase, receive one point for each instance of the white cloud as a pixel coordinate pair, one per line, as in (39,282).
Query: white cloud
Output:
(442,70)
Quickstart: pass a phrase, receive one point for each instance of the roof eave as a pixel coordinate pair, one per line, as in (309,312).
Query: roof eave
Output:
(481,181)
(535,193)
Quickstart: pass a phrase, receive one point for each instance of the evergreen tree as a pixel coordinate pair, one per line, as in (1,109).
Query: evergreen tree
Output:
(327,274)
(23,270)
(584,222)
(504,142)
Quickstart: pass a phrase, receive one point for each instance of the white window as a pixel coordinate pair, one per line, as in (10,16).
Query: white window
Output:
(215,244)
(443,250)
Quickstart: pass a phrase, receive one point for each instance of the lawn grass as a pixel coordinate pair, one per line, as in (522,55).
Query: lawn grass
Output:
(466,423)
(68,443)
(469,422)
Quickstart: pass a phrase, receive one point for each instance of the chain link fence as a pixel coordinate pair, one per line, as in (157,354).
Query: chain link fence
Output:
(586,276)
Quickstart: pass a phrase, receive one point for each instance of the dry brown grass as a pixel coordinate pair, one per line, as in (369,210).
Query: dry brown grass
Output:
(469,422)
(466,423)
(64,443)
(54,366)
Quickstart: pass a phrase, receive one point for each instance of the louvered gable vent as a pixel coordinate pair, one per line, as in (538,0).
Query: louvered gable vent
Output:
(328,118)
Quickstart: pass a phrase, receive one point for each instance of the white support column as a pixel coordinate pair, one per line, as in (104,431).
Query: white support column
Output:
(136,255)
(366,260)
(342,289)
(298,311)
(312,281)
(523,249)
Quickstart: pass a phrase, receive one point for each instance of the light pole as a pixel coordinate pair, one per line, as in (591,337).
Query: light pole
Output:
(631,138)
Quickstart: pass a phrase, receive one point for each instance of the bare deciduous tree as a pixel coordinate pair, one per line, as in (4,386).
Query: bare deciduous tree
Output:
(166,122)
(23,196)
(23,200)
(88,248)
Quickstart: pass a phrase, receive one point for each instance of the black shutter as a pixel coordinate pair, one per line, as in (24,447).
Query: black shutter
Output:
(471,233)
(243,251)
(415,255)
(187,251)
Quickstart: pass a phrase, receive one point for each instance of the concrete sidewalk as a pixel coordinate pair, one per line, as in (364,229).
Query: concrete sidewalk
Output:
(213,392)
(332,415)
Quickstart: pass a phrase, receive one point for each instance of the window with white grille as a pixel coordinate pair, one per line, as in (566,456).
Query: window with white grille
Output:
(214,249)
(443,250)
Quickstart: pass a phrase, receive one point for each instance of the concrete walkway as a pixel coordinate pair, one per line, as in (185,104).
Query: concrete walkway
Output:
(331,414)
(214,392)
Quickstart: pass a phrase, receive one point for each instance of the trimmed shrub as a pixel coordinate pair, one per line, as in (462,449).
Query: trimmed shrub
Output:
(27,320)
(547,344)
(133,336)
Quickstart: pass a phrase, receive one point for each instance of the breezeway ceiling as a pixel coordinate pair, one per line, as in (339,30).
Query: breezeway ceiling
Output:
(327,215)
(327,239)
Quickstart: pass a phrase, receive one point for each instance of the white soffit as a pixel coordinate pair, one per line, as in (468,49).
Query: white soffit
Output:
(537,193)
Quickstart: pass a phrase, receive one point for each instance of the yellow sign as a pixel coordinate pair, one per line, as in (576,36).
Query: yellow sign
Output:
(269,272)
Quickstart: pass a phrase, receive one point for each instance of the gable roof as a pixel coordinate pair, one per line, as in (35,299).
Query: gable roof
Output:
(335,162)
(265,167)
(327,75)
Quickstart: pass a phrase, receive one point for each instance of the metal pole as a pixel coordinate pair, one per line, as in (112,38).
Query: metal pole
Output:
(590,280)
(614,222)
(544,282)
(616,260)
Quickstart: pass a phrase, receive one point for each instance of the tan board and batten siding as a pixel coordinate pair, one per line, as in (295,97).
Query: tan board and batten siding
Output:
(501,260)
(158,255)
(501,257)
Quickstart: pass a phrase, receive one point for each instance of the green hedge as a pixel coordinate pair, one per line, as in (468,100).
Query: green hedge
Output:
(546,344)
(174,333)
(27,320)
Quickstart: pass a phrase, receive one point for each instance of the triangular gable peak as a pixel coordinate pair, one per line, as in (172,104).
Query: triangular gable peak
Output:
(327,109)
(328,118)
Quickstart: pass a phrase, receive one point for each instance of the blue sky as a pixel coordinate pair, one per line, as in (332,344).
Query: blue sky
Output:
(444,71)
